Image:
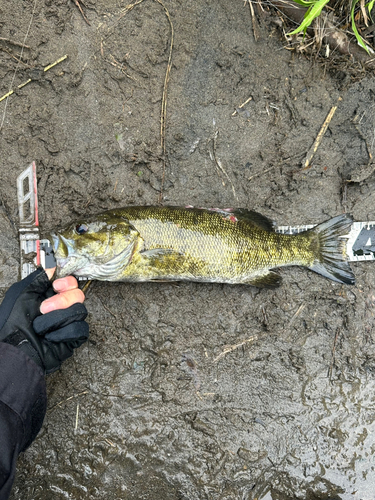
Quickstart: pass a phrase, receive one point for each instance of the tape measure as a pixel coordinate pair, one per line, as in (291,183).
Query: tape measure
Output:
(36,252)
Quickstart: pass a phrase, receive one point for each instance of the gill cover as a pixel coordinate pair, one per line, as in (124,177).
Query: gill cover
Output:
(97,248)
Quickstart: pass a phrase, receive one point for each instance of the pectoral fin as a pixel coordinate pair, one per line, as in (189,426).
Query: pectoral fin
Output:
(161,253)
(268,280)
(163,259)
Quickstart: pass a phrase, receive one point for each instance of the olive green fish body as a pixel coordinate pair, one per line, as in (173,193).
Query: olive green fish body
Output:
(174,243)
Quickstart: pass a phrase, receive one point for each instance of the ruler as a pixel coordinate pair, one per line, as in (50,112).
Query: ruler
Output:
(36,252)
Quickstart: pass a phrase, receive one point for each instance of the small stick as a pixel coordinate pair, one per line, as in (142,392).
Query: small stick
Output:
(234,347)
(295,315)
(14,57)
(119,66)
(14,43)
(15,71)
(254,21)
(242,105)
(127,9)
(21,85)
(77,2)
(76,426)
(163,116)
(318,140)
(56,62)
(86,286)
(68,399)
(220,166)
(261,173)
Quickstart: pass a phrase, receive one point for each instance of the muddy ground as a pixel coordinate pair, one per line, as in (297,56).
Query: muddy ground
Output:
(165,409)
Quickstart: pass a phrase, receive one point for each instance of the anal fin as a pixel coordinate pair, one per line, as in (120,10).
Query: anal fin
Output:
(268,280)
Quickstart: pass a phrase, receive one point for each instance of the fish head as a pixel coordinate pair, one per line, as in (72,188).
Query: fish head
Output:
(94,248)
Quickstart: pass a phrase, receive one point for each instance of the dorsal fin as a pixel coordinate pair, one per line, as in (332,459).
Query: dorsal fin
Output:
(256,218)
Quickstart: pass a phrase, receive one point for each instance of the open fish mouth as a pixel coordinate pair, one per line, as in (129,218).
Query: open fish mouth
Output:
(67,261)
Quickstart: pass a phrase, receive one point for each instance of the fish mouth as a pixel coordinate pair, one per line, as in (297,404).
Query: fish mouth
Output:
(67,261)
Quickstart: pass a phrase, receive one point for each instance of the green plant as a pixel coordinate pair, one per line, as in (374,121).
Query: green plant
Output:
(314,9)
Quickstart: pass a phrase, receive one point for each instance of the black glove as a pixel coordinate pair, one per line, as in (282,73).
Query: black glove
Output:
(48,339)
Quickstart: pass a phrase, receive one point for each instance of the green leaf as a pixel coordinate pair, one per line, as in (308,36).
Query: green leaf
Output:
(314,11)
(369,7)
(305,3)
(354,28)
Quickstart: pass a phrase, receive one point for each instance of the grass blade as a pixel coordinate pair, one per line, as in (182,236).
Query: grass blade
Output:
(354,28)
(305,3)
(314,11)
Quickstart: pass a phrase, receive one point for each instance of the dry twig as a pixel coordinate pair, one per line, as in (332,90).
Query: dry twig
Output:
(241,106)
(119,66)
(68,399)
(14,57)
(256,30)
(231,348)
(164,100)
(261,173)
(319,137)
(220,165)
(78,4)
(21,85)
(77,412)
(12,42)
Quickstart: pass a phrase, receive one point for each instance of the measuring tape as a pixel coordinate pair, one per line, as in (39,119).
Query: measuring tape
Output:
(36,252)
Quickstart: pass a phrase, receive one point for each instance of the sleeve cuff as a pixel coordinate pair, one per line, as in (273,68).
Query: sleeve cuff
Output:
(23,390)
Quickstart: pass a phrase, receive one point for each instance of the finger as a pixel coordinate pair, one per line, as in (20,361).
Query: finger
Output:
(50,272)
(75,332)
(65,284)
(62,300)
(56,320)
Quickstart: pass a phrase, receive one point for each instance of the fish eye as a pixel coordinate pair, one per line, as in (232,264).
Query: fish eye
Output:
(81,228)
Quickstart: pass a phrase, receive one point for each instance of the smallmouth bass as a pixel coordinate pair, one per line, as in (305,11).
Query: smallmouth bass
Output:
(193,244)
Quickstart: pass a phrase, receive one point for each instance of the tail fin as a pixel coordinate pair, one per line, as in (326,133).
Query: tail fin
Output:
(331,260)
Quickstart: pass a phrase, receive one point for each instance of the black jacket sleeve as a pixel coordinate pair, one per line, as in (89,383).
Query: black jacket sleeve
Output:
(22,408)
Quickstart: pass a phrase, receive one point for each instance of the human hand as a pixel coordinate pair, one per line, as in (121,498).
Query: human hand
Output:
(43,319)
(67,293)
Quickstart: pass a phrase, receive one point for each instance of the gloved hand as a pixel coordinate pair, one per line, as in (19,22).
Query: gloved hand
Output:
(48,339)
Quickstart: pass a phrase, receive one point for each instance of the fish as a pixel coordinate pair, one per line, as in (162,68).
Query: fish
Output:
(236,246)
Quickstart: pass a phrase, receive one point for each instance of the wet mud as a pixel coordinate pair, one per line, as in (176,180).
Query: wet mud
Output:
(194,391)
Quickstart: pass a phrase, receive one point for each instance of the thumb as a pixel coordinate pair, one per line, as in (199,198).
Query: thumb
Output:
(50,272)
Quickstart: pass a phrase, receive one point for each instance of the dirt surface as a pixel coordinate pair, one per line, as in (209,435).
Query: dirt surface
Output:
(156,405)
